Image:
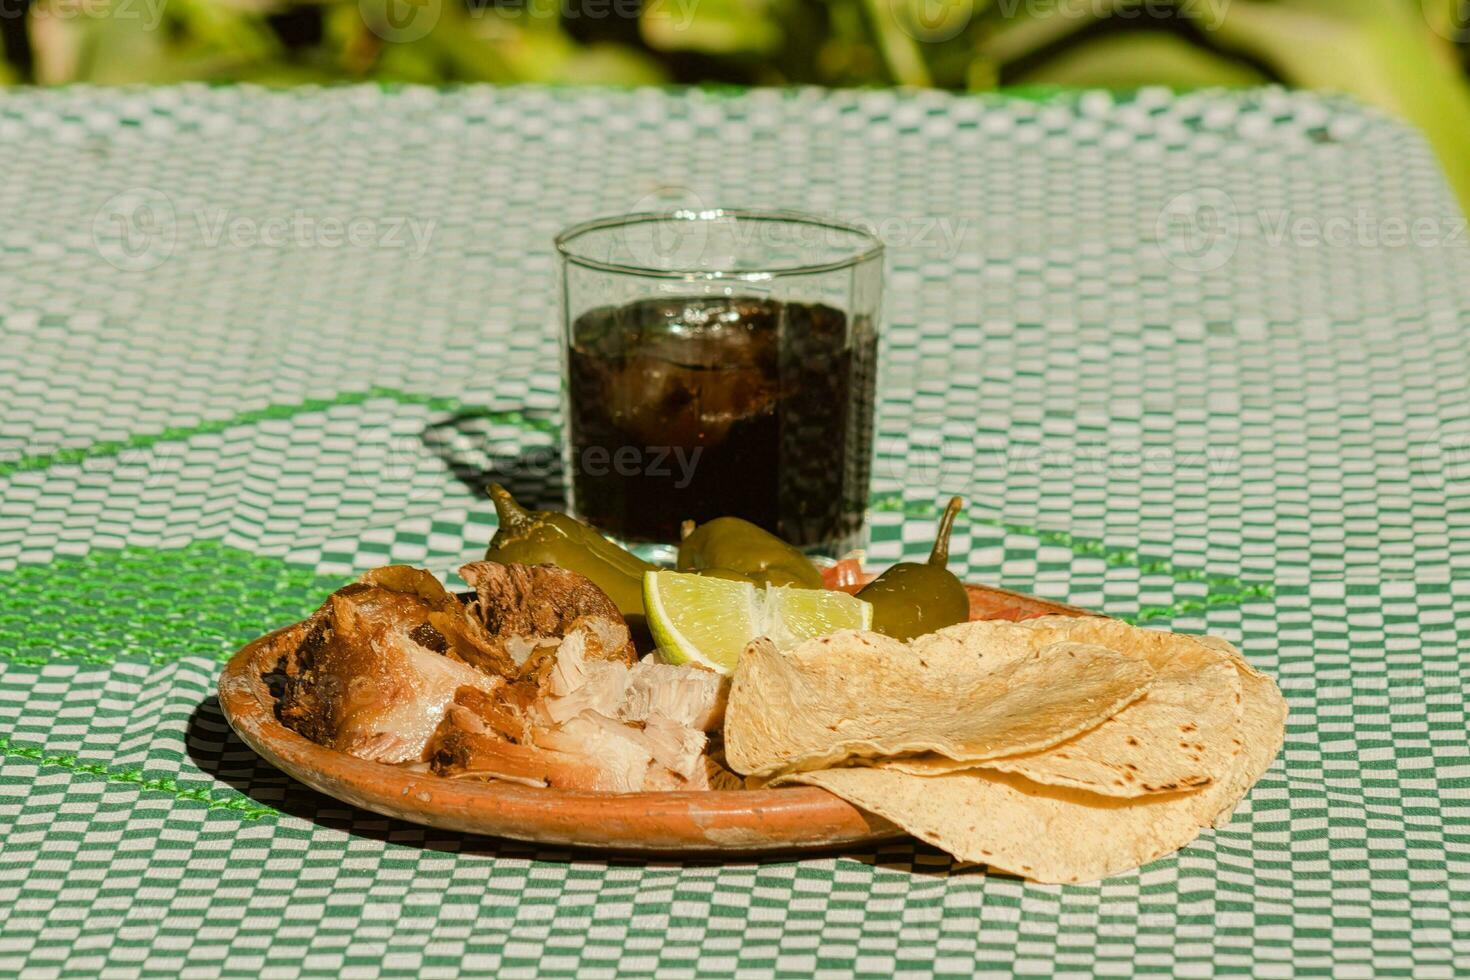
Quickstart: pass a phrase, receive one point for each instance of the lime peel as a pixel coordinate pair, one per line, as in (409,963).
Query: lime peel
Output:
(708,621)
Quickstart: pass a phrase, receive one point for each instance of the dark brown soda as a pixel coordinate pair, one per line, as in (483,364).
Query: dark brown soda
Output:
(691,408)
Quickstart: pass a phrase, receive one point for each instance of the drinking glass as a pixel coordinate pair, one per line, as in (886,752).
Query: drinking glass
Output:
(720,362)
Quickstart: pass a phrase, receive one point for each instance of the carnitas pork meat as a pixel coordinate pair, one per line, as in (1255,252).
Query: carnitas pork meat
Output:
(367,679)
(534,679)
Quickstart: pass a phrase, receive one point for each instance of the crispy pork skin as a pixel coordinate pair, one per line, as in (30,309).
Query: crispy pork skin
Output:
(360,684)
(533,681)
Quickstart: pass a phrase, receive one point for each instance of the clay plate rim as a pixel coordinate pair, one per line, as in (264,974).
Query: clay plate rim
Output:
(721,823)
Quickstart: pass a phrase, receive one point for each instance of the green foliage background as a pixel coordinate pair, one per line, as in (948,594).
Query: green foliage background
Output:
(1407,56)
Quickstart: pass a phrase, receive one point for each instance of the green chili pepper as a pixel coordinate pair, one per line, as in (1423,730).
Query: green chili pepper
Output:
(548,537)
(914,598)
(736,547)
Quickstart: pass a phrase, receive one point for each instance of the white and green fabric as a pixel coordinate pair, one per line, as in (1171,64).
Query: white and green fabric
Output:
(1200,361)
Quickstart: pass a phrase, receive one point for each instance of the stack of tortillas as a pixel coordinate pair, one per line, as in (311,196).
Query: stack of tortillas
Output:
(1059,749)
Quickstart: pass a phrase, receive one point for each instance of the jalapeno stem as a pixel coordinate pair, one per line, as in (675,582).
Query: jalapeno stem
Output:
(939,557)
(511,515)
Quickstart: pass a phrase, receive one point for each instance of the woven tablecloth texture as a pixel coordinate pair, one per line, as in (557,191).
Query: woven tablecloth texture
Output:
(1197,360)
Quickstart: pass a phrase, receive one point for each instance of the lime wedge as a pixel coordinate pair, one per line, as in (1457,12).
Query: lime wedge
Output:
(699,619)
(793,615)
(708,621)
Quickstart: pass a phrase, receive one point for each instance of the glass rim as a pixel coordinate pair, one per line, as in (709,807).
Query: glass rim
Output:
(868,248)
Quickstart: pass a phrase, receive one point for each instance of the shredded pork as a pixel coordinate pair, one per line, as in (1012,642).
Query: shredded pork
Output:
(534,681)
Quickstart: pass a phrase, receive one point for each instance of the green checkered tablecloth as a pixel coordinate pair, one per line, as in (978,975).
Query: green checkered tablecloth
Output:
(1196,360)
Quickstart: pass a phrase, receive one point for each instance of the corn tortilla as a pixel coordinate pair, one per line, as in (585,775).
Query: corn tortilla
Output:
(1262,732)
(1049,834)
(1003,690)
(1184,734)
(1058,834)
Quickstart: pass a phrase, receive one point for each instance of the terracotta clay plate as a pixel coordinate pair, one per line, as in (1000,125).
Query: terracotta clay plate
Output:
(693,824)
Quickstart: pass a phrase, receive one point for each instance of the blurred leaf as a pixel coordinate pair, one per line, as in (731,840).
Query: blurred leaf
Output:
(900,48)
(103,49)
(1398,54)
(275,74)
(849,55)
(935,21)
(982,74)
(215,25)
(56,46)
(411,64)
(1019,30)
(491,48)
(145,42)
(612,64)
(1384,53)
(722,27)
(1135,60)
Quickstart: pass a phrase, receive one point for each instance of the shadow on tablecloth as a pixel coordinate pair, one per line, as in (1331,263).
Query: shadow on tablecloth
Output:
(218,752)
(477,450)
